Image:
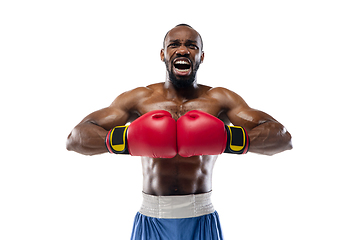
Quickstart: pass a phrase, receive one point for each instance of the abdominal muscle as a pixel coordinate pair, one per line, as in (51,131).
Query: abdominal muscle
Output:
(178,175)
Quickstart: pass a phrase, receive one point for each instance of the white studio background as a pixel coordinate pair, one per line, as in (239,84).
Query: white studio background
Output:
(296,60)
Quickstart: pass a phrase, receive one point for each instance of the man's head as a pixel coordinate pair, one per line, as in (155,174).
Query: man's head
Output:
(182,54)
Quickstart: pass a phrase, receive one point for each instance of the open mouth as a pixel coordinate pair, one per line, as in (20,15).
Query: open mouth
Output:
(182,67)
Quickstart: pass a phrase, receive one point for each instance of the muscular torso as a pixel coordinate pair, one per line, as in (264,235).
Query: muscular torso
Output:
(179,175)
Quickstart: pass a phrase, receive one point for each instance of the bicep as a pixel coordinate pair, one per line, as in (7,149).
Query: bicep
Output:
(240,114)
(248,117)
(107,118)
(121,111)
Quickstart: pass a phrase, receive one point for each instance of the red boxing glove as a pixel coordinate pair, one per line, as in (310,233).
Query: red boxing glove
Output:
(199,133)
(152,135)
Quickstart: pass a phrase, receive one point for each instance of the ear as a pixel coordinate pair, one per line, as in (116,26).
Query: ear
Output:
(202,56)
(162,56)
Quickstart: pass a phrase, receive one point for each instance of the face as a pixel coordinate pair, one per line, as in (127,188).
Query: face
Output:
(182,55)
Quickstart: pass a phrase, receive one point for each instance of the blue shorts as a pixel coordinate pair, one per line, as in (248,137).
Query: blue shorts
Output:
(189,217)
(205,227)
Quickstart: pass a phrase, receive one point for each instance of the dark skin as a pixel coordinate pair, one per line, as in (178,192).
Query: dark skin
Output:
(180,175)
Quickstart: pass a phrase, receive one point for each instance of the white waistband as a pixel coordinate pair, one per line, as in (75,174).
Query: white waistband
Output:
(181,206)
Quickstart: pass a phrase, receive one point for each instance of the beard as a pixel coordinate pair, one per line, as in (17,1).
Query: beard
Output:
(180,81)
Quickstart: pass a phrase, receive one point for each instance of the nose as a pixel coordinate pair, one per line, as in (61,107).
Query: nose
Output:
(182,51)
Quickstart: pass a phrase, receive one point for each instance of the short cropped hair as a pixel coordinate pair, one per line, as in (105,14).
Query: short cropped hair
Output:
(185,25)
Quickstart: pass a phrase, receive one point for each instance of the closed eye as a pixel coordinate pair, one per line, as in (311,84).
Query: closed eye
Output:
(173,45)
(193,46)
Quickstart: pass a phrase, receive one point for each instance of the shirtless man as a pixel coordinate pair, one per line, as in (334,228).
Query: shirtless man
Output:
(177,179)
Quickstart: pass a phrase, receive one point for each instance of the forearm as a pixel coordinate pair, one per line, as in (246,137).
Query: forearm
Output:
(269,138)
(87,138)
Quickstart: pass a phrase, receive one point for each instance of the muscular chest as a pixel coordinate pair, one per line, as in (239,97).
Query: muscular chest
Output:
(179,108)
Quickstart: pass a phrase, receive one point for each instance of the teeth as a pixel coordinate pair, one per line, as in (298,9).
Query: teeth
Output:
(182,62)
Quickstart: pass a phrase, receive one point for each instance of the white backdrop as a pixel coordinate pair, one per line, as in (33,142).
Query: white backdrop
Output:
(296,60)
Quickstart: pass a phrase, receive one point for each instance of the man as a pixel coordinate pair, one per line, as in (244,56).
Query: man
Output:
(180,129)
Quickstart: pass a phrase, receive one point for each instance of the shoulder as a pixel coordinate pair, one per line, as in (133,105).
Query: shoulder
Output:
(155,88)
(219,91)
(226,97)
(135,93)
(132,97)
